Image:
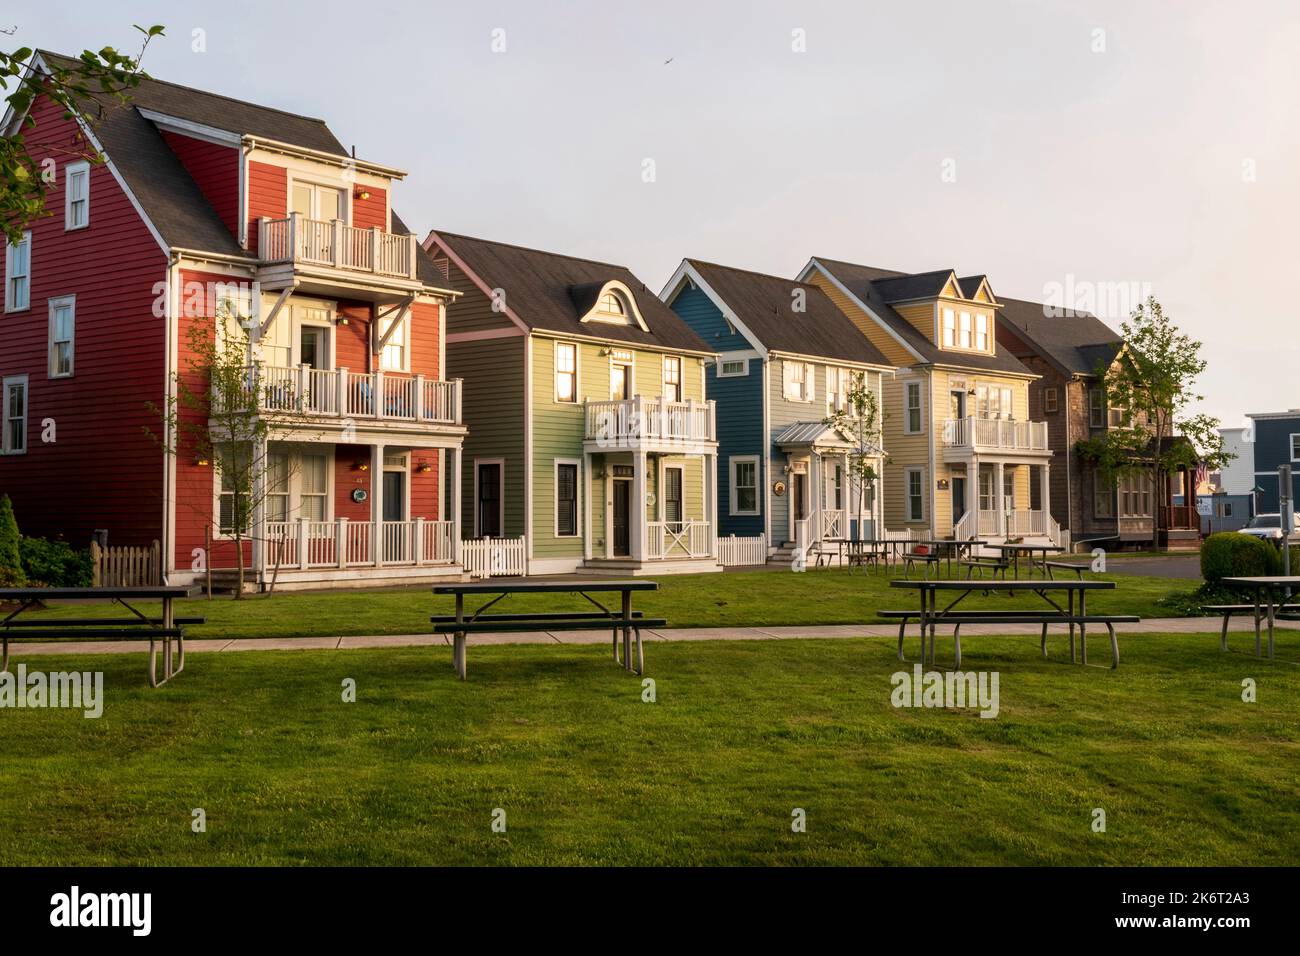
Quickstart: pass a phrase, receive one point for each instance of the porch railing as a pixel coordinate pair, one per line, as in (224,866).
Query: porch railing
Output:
(994,433)
(678,539)
(301,544)
(495,557)
(335,244)
(340,393)
(628,422)
(736,552)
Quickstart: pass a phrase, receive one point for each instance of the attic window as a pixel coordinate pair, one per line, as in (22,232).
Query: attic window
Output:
(612,306)
(615,305)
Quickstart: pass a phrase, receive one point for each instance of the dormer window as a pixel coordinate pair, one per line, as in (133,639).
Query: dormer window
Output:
(611,307)
(613,303)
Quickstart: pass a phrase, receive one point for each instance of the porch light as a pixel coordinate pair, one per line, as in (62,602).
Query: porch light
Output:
(423,467)
(363,194)
(201,462)
(361,466)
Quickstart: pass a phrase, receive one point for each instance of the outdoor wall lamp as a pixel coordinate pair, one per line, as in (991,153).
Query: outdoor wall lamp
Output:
(201,462)
(361,466)
(423,467)
(363,194)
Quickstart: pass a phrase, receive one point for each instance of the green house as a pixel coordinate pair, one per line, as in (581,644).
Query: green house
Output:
(589,434)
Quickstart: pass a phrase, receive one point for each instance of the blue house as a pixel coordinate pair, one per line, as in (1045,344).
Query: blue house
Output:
(1277,442)
(786,359)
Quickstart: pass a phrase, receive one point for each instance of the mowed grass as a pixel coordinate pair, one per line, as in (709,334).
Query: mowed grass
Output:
(741,734)
(732,599)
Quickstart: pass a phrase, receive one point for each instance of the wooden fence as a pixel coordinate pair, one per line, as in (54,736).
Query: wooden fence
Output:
(495,557)
(126,567)
(734,552)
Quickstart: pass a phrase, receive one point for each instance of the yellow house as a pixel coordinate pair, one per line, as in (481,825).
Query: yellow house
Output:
(965,458)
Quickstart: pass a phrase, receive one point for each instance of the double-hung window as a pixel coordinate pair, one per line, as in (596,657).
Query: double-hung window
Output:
(673,378)
(1295,447)
(566,372)
(964,330)
(314,493)
(235,469)
(915,494)
(914,422)
(744,485)
(982,331)
(18,274)
(62,325)
(76,198)
(15,415)
(949,328)
(798,380)
(566,499)
(393,357)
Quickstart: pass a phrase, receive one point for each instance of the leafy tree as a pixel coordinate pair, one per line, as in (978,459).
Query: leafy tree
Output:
(1152,383)
(860,422)
(100,80)
(11,564)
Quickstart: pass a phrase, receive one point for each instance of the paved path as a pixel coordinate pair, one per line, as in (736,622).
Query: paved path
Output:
(1170,625)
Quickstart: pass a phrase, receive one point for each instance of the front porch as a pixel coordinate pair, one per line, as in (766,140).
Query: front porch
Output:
(651,494)
(1003,499)
(825,501)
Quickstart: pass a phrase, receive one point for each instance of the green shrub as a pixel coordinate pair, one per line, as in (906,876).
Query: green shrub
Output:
(11,563)
(1230,554)
(56,563)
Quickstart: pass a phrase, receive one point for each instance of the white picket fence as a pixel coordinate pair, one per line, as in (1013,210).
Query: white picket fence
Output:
(494,557)
(736,552)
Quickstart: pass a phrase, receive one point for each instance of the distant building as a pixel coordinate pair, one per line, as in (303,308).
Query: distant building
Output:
(1276,442)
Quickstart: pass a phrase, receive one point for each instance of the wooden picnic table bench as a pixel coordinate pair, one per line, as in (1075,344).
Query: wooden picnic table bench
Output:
(622,620)
(138,626)
(983,563)
(1271,593)
(928,558)
(1077,568)
(929,615)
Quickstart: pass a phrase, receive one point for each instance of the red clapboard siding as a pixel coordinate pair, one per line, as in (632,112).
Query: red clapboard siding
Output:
(368,213)
(89,463)
(215,169)
(268,195)
(347,479)
(424,485)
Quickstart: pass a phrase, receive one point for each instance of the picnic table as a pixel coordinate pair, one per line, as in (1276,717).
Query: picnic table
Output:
(1272,588)
(930,615)
(946,549)
(139,626)
(1013,550)
(622,619)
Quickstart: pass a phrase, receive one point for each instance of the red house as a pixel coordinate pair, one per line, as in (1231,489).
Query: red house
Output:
(209,206)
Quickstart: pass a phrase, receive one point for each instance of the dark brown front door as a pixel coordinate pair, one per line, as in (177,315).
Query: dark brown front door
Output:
(797,483)
(622,511)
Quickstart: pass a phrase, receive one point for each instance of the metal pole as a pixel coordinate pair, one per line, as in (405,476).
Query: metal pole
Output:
(1287,518)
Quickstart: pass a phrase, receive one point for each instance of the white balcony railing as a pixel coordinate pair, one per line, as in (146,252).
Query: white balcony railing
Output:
(301,544)
(994,434)
(678,539)
(336,245)
(633,421)
(312,392)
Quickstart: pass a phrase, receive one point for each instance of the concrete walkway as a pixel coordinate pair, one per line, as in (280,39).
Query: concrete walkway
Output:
(1170,625)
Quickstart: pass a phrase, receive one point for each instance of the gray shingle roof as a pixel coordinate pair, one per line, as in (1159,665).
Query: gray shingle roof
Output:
(862,282)
(763,304)
(551,291)
(1078,343)
(166,192)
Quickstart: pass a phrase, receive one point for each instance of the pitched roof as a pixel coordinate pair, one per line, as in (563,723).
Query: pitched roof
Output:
(1078,343)
(168,195)
(763,304)
(550,291)
(921,285)
(863,281)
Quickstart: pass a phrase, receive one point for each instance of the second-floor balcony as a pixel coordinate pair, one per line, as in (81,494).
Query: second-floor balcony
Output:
(333,244)
(301,394)
(994,435)
(644,422)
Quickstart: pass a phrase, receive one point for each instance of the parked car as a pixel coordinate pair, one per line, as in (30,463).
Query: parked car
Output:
(1266,526)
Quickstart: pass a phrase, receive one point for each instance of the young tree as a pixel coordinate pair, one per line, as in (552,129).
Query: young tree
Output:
(11,564)
(1152,383)
(216,416)
(99,81)
(859,421)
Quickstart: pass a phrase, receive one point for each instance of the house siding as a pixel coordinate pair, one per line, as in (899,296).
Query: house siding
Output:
(93,423)
(215,170)
(268,195)
(1273,448)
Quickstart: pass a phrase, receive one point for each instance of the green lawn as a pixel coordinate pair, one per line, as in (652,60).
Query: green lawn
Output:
(742,733)
(773,598)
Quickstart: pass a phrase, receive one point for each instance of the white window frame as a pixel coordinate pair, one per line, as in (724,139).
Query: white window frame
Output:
(316,185)
(7,447)
(908,514)
(555,496)
(11,302)
(724,362)
(843,381)
(663,495)
(1051,401)
(217,492)
(907,408)
(58,302)
(616,357)
(807,389)
(732,464)
(948,328)
(965,330)
(1100,493)
(560,346)
(1295,446)
(501,493)
(1096,407)
(70,171)
(406,332)
(669,360)
(981,331)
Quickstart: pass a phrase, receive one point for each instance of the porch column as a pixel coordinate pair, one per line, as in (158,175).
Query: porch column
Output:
(588,485)
(637,516)
(999,498)
(257,518)
(376,503)
(451,473)
(711,501)
(816,493)
(973,492)
(1044,476)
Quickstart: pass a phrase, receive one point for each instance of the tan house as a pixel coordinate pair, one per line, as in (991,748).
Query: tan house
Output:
(966,460)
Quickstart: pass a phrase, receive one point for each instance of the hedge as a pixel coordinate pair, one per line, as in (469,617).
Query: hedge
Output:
(1232,554)
(56,563)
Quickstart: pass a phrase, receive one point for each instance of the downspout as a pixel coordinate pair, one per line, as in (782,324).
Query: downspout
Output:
(1069,476)
(170,440)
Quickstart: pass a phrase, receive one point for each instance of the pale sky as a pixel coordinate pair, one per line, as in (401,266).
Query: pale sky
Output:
(1097,145)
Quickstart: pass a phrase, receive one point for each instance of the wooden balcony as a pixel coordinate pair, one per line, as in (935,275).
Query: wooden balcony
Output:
(994,435)
(331,247)
(649,423)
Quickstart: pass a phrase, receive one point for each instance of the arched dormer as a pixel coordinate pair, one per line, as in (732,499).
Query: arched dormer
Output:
(611,302)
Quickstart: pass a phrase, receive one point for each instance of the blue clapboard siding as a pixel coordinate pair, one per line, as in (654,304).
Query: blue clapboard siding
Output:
(1273,448)
(740,405)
